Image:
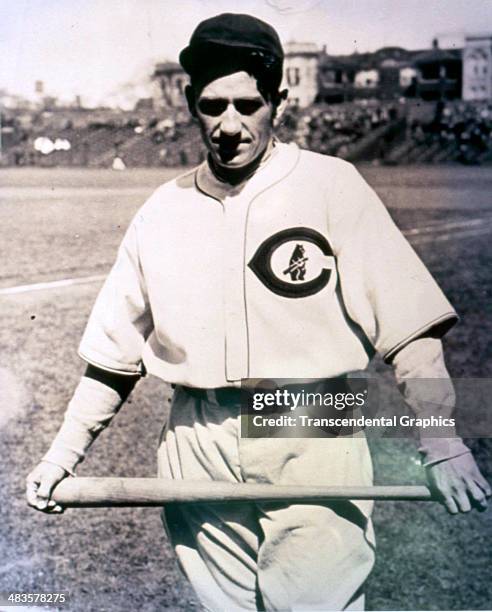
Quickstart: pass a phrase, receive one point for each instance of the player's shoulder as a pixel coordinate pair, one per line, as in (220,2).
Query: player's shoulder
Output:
(167,193)
(346,192)
(174,186)
(325,165)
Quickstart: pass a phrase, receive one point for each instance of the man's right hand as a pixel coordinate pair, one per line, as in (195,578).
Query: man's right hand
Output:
(40,484)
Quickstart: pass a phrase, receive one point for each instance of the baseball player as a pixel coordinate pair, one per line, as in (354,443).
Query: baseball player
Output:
(264,262)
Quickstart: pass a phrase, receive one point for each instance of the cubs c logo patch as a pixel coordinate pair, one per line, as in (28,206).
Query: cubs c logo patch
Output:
(294,263)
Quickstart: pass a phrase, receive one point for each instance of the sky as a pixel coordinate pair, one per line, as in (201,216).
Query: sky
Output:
(93,47)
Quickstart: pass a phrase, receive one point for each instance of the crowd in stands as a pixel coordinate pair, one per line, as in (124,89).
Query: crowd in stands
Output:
(96,138)
(333,129)
(463,129)
(363,129)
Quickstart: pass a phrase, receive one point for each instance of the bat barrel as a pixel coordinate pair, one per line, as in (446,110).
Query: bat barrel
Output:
(120,492)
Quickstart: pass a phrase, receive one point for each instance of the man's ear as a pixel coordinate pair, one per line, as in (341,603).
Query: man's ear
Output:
(282,105)
(191,99)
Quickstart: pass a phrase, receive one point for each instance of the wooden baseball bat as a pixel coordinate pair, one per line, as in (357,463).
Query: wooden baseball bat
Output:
(119,492)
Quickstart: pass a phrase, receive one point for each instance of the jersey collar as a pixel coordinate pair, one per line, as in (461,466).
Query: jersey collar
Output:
(279,164)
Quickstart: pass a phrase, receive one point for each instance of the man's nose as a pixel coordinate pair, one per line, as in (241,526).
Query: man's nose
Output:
(231,121)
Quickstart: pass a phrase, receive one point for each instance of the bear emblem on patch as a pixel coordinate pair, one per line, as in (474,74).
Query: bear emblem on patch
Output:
(297,264)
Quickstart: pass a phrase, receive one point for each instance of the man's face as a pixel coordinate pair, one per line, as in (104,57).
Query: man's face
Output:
(235,120)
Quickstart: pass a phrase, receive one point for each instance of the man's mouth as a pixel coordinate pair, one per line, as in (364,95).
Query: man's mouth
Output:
(230,145)
(229,148)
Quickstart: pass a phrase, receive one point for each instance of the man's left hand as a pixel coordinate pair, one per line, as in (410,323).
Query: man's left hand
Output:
(459,484)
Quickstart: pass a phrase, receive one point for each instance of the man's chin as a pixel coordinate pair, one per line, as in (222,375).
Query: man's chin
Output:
(233,159)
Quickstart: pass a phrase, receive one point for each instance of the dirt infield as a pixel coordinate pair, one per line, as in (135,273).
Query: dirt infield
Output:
(68,223)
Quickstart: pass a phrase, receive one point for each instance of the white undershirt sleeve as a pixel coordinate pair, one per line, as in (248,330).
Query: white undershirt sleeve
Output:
(424,381)
(90,410)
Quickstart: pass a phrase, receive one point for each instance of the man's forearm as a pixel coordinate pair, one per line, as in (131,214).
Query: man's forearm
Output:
(424,381)
(96,400)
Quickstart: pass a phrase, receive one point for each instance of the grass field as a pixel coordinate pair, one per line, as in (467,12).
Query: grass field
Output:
(59,224)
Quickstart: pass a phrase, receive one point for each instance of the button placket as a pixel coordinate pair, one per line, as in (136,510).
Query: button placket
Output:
(236,342)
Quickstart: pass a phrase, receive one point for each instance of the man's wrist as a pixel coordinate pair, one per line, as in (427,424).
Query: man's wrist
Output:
(64,458)
(435,450)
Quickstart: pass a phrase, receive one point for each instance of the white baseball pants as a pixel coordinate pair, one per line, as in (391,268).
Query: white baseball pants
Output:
(255,556)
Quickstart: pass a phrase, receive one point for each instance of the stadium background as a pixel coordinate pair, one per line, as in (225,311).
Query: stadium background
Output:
(390,106)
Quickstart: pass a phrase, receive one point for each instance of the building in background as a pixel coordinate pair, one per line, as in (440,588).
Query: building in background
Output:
(336,78)
(301,66)
(314,76)
(392,63)
(439,73)
(172,81)
(477,67)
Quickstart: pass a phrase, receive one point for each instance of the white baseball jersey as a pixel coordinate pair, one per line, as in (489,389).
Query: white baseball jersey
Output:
(298,273)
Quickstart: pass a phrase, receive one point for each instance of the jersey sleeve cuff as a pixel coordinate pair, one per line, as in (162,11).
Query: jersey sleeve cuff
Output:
(108,365)
(439,327)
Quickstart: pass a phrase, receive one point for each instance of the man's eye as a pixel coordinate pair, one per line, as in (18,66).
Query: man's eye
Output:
(214,108)
(247,107)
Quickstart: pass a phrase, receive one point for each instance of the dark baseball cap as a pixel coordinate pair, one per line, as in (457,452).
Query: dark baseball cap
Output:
(233,30)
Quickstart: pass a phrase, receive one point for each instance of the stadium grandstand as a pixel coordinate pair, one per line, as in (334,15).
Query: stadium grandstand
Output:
(392,106)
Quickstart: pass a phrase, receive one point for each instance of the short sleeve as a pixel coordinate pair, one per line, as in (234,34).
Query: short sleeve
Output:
(120,320)
(386,288)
